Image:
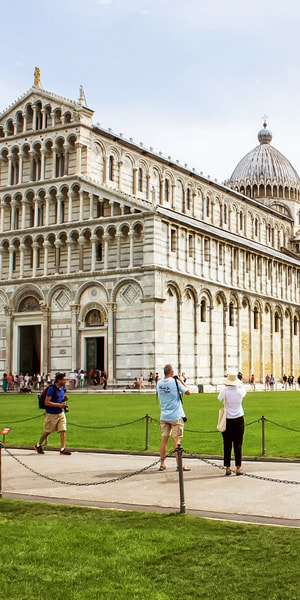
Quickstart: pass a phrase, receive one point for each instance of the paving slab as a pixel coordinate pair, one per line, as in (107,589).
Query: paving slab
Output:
(268,492)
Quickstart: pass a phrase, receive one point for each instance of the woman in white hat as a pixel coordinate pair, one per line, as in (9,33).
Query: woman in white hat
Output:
(233,393)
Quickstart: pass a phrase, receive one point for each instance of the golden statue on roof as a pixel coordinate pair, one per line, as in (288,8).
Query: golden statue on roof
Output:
(37,77)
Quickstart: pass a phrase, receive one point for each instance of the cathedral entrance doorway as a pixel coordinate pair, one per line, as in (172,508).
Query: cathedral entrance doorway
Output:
(29,349)
(95,358)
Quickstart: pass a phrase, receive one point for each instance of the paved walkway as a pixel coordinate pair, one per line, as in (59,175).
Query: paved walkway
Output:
(125,482)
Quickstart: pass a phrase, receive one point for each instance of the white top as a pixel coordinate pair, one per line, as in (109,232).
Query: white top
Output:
(233,401)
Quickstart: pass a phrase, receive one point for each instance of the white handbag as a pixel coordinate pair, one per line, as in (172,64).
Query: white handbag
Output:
(221,425)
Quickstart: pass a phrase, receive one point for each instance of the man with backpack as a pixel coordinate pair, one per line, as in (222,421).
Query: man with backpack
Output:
(55,419)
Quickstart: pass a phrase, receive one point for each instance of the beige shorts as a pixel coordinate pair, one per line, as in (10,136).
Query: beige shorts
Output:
(55,422)
(176,427)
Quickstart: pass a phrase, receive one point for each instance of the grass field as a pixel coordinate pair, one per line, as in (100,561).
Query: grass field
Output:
(53,552)
(116,422)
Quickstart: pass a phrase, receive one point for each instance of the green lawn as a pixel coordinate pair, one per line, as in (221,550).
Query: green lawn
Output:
(51,552)
(107,422)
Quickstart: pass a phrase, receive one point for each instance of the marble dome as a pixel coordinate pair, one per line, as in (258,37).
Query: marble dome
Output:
(265,172)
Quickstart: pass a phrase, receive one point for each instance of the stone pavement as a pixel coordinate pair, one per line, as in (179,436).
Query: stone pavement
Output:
(124,481)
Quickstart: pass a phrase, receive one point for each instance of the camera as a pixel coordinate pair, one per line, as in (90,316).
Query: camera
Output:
(184,419)
(66,408)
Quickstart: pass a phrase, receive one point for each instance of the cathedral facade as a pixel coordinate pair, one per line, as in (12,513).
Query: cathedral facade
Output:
(118,258)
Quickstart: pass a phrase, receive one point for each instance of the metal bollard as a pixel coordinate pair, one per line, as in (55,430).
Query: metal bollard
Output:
(263,449)
(180,473)
(147,431)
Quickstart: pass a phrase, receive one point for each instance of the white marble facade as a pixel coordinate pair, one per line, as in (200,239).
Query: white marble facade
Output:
(111,251)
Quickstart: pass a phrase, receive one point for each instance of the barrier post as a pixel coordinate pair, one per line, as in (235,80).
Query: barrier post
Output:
(147,431)
(0,470)
(180,473)
(263,448)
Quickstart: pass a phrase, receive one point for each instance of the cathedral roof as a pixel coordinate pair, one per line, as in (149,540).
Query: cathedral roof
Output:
(263,166)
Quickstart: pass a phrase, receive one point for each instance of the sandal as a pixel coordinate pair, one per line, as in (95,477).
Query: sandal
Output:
(228,472)
(162,468)
(184,468)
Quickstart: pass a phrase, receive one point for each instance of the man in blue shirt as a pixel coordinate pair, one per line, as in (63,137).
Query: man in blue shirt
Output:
(172,413)
(55,419)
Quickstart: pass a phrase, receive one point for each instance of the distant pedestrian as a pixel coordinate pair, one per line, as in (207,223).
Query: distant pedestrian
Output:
(4,382)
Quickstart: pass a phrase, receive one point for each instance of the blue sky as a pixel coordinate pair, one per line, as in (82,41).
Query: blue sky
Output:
(190,78)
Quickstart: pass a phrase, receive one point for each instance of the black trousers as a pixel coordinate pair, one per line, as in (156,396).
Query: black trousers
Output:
(233,435)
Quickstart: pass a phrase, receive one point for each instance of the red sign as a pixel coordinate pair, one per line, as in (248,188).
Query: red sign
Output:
(5,430)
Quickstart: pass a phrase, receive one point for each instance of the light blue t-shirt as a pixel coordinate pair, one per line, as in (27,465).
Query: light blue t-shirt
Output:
(170,403)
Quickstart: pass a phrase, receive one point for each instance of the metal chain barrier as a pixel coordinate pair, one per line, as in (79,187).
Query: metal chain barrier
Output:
(250,475)
(79,484)
(282,426)
(106,426)
(24,420)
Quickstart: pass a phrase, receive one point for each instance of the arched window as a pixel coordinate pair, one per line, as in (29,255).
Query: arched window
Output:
(99,253)
(225,214)
(203,311)
(207,206)
(167,190)
(231,314)
(94,318)
(276,322)
(295,326)
(29,304)
(140,180)
(235,258)
(241,220)
(256,227)
(188,199)
(111,168)
(255,318)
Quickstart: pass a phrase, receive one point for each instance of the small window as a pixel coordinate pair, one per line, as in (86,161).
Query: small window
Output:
(100,209)
(207,207)
(173,240)
(225,214)
(241,220)
(190,245)
(188,199)
(231,314)
(140,180)
(111,168)
(206,250)
(276,322)
(255,318)
(235,258)
(295,326)
(247,262)
(167,190)
(99,252)
(203,311)
(221,254)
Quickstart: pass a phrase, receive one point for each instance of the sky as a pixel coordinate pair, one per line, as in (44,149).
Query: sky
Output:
(191,78)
